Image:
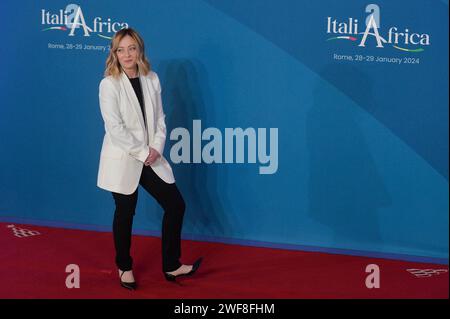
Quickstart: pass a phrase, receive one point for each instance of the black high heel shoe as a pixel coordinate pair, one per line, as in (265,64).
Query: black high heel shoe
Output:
(195,266)
(128,285)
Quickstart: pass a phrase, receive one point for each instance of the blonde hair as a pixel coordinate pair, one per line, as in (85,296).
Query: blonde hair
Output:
(113,66)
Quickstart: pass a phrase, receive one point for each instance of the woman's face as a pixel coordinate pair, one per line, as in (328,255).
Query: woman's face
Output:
(127,53)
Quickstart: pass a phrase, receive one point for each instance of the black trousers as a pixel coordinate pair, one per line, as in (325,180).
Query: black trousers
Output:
(169,198)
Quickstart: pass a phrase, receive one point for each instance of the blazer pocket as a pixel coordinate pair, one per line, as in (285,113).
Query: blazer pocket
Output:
(112,152)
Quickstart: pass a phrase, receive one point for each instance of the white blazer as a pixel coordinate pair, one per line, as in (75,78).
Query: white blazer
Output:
(126,142)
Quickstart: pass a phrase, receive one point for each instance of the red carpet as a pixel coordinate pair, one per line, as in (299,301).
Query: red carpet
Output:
(35,267)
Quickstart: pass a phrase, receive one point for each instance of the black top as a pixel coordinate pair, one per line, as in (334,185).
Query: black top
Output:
(136,83)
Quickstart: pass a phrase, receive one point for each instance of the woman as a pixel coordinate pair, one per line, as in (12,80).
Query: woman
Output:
(132,154)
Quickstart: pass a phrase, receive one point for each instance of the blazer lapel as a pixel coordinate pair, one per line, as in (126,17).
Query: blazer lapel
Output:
(131,96)
(147,91)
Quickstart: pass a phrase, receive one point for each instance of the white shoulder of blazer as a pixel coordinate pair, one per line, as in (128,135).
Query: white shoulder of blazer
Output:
(127,139)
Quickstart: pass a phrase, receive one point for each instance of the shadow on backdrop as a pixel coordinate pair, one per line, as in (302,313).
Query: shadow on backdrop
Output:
(185,90)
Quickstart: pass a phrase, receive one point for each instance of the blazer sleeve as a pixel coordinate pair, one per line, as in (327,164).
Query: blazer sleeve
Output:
(159,139)
(114,124)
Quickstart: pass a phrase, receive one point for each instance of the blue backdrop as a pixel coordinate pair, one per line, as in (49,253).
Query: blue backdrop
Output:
(358,112)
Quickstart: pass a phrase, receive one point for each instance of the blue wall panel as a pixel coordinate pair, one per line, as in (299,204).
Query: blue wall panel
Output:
(362,140)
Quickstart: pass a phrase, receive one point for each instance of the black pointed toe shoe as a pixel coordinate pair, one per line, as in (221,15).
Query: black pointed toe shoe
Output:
(195,266)
(127,285)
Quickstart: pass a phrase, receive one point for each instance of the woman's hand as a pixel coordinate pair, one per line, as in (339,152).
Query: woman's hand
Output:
(152,157)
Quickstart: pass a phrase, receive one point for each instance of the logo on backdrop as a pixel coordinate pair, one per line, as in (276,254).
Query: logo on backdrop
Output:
(72,20)
(419,273)
(400,38)
(21,232)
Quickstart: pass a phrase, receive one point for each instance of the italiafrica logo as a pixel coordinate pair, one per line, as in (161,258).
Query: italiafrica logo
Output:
(348,30)
(72,18)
